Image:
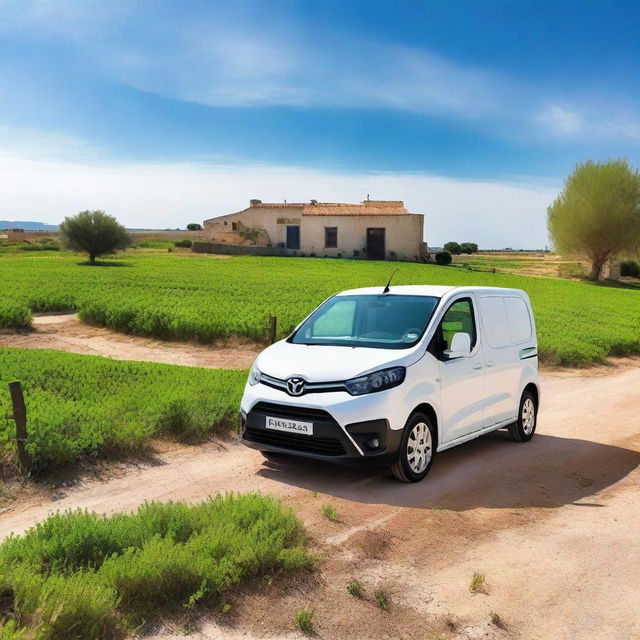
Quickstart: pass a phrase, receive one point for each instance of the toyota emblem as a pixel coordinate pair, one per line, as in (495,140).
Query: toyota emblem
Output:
(295,386)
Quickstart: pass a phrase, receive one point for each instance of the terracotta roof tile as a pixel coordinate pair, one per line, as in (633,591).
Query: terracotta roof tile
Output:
(365,208)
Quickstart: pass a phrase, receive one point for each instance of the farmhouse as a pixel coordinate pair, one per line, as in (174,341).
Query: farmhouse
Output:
(374,229)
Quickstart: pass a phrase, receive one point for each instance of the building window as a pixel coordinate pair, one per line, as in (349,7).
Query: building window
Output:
(331,237)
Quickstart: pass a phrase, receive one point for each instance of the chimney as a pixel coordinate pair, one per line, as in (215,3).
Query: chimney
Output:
(254,202)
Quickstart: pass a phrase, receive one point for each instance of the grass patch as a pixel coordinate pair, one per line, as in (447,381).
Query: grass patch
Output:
(382,600)
(478,583)
(330,512)
(86,405)
(497,620)
(78,575)
(175,296)
(304,620)
(355,589)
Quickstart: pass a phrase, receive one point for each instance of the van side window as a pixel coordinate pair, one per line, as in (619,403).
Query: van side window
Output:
(494,321)
(518,319)
(458,318)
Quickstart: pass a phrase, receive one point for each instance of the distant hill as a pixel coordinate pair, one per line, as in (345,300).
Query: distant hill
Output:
(27,225)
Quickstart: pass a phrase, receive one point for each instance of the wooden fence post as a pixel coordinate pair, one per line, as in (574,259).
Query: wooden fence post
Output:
(273,324)
(20,418)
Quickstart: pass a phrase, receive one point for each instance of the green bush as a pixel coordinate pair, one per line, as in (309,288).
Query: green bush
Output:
(35,246)
(443,258)
(184,243)
(78,575)
(630,269)
(86,405)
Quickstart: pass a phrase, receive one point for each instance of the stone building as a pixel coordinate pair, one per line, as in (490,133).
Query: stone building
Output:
(374,229)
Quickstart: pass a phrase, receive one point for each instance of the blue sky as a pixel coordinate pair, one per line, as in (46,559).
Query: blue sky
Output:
(162,112)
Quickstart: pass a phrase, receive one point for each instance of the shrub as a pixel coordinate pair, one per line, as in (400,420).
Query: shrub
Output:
(443,258)
(478,583)
(78,575)
(330,512)
(38,247)
(453,247)
(304,621)
(382,600)
(355,589)
(184,243)
(630,268)
(84,405)
(469,247)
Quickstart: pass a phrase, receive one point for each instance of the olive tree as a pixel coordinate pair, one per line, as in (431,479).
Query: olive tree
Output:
(469,247)
(94,233)
(597,214)
(453,247)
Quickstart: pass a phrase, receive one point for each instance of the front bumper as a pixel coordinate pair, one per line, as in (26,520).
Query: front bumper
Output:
(368,441)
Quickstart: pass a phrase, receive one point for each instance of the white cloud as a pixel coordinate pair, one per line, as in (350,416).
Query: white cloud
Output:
(493,214)
(561,120)
(227,57)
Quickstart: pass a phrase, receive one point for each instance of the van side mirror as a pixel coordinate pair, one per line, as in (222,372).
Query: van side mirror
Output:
(460,346)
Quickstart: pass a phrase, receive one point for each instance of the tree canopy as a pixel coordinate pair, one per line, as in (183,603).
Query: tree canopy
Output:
(597,214)
(453,247)
(94,233)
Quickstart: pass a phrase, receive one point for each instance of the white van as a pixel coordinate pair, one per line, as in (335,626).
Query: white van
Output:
(395,375)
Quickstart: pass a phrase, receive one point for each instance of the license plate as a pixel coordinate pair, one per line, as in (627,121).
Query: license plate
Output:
(291,426)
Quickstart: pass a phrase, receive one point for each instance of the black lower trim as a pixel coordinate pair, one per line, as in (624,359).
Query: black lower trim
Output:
(329,441)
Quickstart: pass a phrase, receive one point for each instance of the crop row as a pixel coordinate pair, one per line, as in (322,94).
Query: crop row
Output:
(209,298)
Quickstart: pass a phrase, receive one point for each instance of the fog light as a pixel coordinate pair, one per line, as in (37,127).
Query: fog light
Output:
(372,443)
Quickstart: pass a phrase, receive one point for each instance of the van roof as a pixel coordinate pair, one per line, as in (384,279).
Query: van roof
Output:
(438,291)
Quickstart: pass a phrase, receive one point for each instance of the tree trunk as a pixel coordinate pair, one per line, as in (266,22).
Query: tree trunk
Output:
(596,269)
(92,258)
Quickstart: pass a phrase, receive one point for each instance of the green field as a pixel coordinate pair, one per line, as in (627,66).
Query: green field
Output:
(87,405)
(77,576)
(207,298)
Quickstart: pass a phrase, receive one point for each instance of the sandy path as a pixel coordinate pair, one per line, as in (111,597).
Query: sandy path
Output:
(66,333)
(552,524)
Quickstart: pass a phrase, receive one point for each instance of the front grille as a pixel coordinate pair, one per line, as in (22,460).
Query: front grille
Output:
(295,441)
(295,413)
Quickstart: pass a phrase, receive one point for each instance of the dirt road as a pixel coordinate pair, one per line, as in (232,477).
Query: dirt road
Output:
(553,526)
(66,333)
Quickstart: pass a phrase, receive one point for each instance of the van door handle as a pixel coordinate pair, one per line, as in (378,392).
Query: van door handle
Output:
(490,363)
(476,366)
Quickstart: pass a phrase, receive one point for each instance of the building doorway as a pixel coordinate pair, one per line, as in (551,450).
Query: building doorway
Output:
(376,249)
(293,236)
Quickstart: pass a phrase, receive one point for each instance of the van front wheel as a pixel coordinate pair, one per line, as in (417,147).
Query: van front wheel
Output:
(417,449)
(523,429)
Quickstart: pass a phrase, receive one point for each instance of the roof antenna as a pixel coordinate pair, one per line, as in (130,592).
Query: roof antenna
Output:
(386,289)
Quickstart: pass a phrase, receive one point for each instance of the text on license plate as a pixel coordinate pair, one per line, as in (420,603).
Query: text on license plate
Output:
(292,426)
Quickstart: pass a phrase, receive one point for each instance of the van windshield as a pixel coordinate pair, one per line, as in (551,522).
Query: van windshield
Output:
(383,321)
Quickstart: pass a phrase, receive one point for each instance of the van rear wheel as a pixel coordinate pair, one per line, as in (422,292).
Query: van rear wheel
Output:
(523,429)
(417,449)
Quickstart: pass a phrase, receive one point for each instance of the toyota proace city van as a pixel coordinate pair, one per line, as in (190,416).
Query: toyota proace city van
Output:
(395,375)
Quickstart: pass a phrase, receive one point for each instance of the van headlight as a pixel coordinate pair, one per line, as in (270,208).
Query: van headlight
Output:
(254,375)
(377,381)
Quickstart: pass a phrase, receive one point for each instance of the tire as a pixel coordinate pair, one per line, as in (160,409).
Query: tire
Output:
(417,432)
(523,429)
